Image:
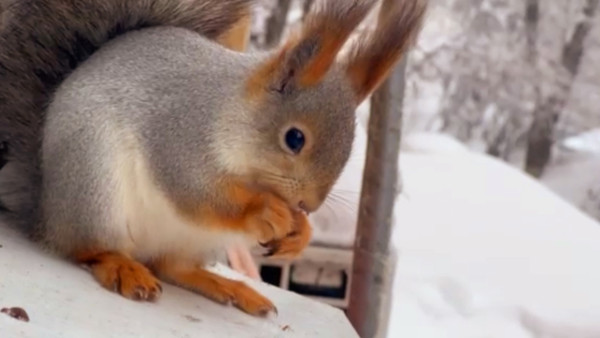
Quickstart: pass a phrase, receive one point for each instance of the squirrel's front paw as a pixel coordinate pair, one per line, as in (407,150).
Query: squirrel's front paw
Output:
(122,274)
(293,244)
(273,221)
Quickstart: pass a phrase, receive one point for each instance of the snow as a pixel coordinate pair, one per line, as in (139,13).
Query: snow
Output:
(587,142)
(63,300)
(485,251)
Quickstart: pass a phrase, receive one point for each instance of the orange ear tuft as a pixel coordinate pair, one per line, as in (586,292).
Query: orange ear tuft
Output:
(262,78)
(304,60)
(375,55)
(326,31)
(316,68)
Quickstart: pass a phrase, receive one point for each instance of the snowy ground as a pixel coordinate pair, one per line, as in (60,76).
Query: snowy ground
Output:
(485,251)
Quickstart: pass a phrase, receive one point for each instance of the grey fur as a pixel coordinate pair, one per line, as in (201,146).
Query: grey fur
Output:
(165,96)
(42,41)
(175,116)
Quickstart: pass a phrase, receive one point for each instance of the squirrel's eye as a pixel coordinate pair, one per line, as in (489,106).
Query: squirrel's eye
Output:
(294,140)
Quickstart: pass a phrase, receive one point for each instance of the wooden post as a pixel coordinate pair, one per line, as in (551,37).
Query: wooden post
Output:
(373,266)
(371,275)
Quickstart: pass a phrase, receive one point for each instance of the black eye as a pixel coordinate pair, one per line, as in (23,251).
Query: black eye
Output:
(294,140)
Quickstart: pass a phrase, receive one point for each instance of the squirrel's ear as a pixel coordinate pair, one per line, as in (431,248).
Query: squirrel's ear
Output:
(372,58)
(305,59)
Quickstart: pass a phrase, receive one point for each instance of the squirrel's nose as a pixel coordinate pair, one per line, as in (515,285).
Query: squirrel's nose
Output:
(302,206)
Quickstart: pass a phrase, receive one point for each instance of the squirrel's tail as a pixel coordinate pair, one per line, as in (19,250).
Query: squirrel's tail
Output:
(41,42)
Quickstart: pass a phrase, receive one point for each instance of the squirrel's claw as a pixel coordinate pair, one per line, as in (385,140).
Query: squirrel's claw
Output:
(272,247)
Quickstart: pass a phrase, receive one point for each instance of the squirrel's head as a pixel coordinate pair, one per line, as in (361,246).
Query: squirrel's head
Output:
(304,97)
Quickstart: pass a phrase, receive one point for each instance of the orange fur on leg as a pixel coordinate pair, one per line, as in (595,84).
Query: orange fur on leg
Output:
(215,287)
(119,273)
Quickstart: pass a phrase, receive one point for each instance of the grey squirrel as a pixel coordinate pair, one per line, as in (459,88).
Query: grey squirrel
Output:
(136,144)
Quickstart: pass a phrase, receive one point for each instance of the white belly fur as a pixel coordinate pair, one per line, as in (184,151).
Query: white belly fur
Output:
(151,223)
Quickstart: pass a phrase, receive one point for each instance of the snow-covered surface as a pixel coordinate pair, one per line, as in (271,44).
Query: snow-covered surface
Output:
(587,142)
(63,300)
(485,251)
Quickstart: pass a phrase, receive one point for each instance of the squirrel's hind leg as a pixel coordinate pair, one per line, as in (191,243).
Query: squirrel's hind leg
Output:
(120,273)
(195,277)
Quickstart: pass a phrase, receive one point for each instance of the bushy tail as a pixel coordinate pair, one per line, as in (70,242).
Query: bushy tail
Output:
(41,42)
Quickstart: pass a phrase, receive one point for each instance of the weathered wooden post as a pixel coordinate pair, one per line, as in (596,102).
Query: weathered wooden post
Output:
(372,271)
(373,267)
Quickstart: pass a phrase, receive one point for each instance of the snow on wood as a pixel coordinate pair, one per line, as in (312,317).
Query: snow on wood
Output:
(63,300)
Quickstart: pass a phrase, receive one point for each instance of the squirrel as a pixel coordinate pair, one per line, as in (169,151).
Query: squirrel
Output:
(137,143)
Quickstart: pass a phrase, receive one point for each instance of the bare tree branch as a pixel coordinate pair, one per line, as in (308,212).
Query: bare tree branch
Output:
(548,111)
(276,23)
(573,49)
(532,18)
(541,135)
